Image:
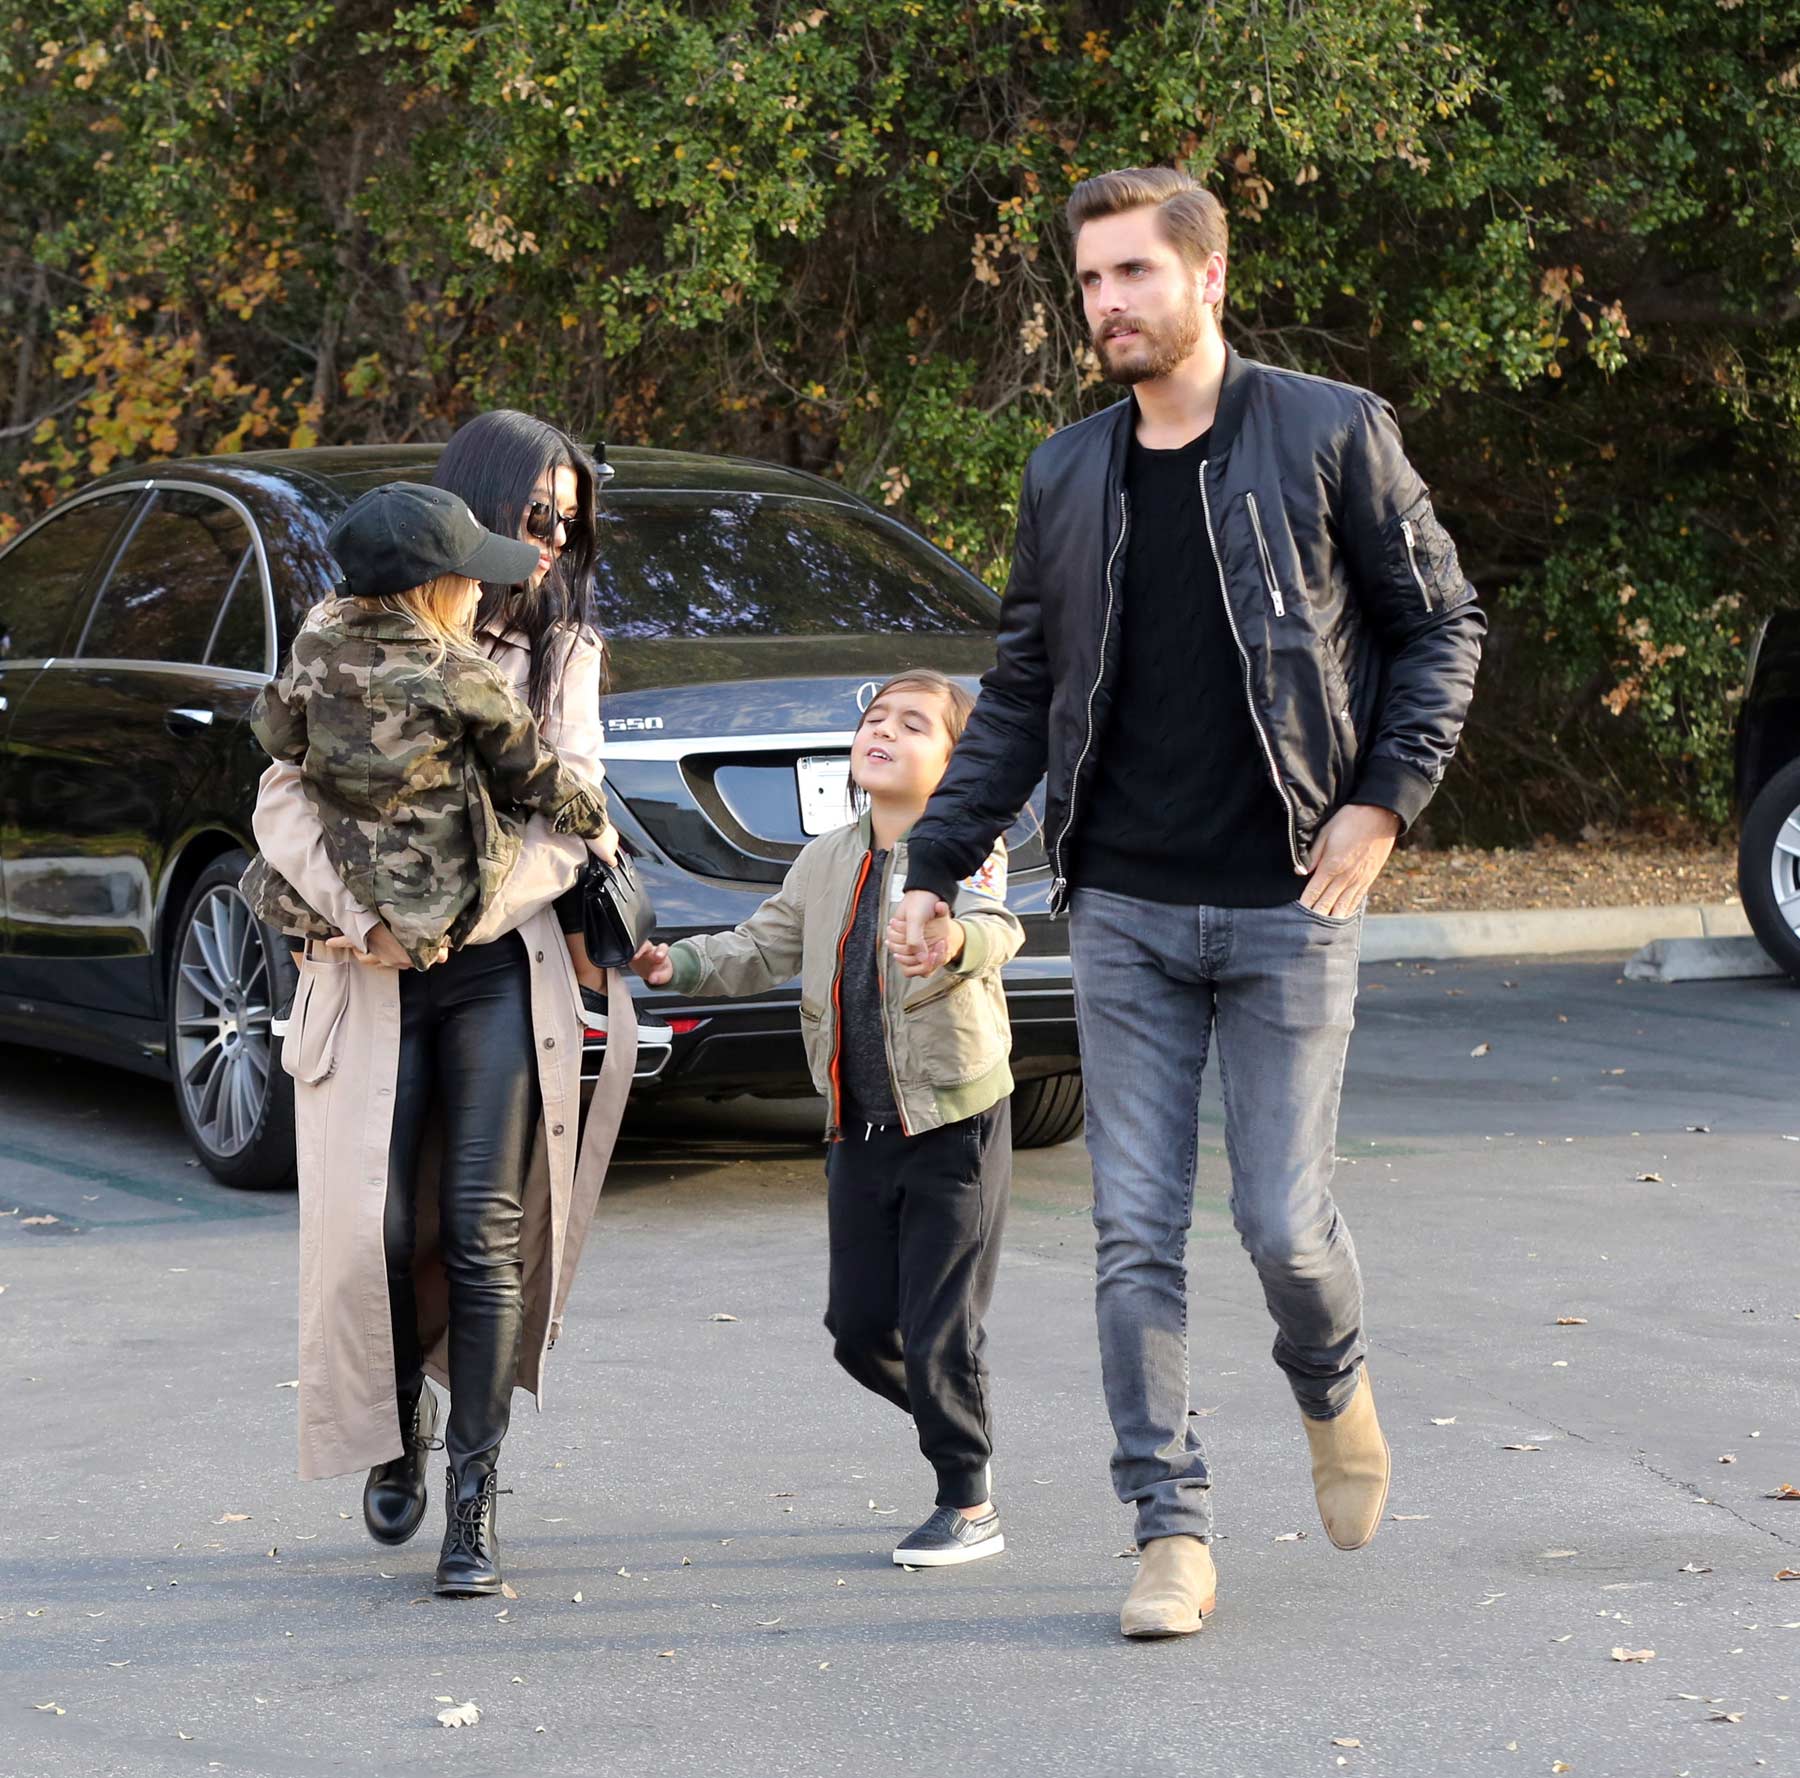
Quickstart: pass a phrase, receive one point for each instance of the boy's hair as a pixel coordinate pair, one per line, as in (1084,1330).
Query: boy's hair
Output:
(1192,220)
(430,606)
(961,701)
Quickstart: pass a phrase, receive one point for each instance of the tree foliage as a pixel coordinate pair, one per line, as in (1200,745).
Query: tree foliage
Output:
(1562,239)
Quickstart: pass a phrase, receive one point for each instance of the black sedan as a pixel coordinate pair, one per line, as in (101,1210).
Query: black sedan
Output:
(750,611)
(1768,790)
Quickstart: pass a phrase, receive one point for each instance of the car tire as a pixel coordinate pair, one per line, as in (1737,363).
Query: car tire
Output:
(1769,866)
(228,976)
(1048,1110)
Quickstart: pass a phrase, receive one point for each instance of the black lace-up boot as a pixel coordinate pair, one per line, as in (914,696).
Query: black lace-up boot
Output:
(394,1495)
(469,1564)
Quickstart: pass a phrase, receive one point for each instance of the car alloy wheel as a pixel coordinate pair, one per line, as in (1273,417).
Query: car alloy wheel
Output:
(223,1008)
(1769,866)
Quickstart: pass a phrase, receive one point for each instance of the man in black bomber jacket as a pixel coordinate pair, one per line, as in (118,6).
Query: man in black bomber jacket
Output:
(1239,642)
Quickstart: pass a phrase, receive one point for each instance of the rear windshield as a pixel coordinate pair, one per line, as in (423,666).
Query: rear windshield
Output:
(752,565)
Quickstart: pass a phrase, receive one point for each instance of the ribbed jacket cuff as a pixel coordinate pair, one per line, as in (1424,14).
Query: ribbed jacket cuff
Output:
(1393,784)
(926,868)
(690,970)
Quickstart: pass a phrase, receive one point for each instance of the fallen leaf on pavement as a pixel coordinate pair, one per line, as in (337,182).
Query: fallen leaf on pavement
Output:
(1726,1716)
(36,1222)
(506,1590)
(1481,1049)
(576,1600)
(1787,1491)
(1571,1321)
(294,1383)
(232,1519)
(1557,1555)
(1521,1447)
(1689,1568)
(767,1623)
(721,1316)
(462,1716)
(1449,1420)
(1728,1458)
(1634,1654)
(1561,1765)
(52,1705)
(1290,1537)
(1788,1574)
(1403,1518)
(1650,1179)
(1345,1741)
(1126,1554)
(665,1654)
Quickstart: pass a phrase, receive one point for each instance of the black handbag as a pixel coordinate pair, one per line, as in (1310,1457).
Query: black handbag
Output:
(616,915)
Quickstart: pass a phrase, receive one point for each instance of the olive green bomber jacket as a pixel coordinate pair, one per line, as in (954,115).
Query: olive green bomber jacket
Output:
(948,1036)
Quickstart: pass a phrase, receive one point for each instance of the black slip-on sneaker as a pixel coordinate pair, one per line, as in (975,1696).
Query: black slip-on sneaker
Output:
(652,1033)
(949,1537)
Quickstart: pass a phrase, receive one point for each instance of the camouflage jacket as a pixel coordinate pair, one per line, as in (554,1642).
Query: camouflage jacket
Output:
(422,771)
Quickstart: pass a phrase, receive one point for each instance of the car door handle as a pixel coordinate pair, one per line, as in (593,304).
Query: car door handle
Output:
(187,720)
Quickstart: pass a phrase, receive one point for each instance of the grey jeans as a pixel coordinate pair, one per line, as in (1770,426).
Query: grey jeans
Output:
(1152,984)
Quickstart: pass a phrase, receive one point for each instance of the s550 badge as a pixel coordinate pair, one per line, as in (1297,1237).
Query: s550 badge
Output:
(630,724)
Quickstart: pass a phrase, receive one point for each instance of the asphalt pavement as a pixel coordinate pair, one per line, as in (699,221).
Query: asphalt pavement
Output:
(1577,1203)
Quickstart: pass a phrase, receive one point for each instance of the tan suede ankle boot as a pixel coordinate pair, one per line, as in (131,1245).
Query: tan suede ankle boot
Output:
(1174,1590)
(1351,1465)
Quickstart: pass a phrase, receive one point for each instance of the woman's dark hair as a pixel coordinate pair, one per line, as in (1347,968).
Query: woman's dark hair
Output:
(496,462)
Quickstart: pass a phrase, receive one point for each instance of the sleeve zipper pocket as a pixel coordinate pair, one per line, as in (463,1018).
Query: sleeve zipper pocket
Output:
(1412,560)
(1268,561)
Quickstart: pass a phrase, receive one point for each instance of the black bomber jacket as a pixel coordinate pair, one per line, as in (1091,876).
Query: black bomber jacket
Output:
(1358,634)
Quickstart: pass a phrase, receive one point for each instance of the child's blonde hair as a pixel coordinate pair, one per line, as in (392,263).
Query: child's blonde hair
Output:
(443,610)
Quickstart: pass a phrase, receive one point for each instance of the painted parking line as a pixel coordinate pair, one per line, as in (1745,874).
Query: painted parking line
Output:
(84,1195)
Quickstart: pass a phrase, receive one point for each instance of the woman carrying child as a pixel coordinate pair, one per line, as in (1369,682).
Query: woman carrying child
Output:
(443,1205)
(911,1049)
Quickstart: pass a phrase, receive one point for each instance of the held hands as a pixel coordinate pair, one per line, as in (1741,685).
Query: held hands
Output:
(923,935)
(652,964)
(1351,850)
(384,950)
(605,846)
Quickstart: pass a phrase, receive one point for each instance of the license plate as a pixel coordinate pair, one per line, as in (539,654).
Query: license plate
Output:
(824,781)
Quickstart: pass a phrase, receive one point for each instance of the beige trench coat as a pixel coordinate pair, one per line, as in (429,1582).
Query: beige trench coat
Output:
(343,1049)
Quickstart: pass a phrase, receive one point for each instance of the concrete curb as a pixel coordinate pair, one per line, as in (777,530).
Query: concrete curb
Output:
(1545,932)
(1701,960)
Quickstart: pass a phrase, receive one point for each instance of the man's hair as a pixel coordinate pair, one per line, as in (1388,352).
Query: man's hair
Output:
(1193,220)
(959,701)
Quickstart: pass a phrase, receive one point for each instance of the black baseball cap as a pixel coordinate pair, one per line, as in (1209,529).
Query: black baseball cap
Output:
(402,534)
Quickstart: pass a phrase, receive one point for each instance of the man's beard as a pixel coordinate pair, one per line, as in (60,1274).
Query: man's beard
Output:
(1156,351)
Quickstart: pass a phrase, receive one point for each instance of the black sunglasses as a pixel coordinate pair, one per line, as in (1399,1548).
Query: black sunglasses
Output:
(543,518)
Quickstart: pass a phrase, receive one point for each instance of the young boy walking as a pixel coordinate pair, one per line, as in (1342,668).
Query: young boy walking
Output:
(910,1046)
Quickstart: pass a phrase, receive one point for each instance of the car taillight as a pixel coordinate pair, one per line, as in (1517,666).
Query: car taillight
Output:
(681,1027)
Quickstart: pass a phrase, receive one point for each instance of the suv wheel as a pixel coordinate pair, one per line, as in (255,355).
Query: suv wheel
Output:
(1769,867)
(230,974)
(1048,1110)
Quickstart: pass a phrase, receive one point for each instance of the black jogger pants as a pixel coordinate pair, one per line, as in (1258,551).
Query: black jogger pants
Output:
(915,1243)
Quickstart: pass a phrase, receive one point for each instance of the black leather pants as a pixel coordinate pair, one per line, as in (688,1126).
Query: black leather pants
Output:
(467,1064)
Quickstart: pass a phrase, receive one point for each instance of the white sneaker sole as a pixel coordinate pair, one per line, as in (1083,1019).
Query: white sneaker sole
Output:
(971,1552)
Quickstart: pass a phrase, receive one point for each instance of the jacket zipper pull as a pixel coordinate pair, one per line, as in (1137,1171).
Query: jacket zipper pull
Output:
(1059,894)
